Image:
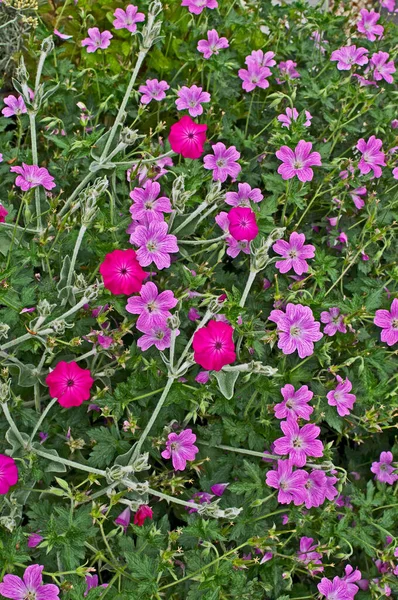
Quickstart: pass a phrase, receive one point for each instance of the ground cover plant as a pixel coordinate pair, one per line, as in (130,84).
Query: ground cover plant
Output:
(198,300)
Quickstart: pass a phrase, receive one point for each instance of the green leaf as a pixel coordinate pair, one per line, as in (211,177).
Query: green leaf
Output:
(226,382)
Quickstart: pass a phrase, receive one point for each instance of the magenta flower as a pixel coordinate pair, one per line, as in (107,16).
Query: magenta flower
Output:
(69,383)
(298,162)
(334,321)
(92,582)
(144,512)
(180,448)
(356,196)
(31,586)
(381,68)
(367,24)
(213,346)
(341,397)
(31,176)
(147,206)
(289,483)
(153,90)
(153,172)
(196,6)
(244,195)
(350,576)
(308,554)
(242,224)
(292,115)
(188,138)
(384,470)
(297,329)
(121,272)
(372,156)
(213,44)
(153,308)
(288,70)
(155,244)
(261,59)
(254,76)
(294,253)
(348,56)
(388,321)
(295,403)
(157,335)
(124,519)
(218,489)
(234,246)
(3,213)
(34,540)
(193,314)
(202,377)
(334,590)
(127,19)
(97,40)
(62,36)
(315,488)
(298,442)
(8,473)
(223,162)
(191,98)
(14,106)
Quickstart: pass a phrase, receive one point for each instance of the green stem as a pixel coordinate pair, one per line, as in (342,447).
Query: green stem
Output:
(76,249)
(11,423)
(42,417)
(69,463)
(32,121)
(249,283)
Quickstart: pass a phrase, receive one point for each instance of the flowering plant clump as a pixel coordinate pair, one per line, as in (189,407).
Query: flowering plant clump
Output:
(198,300)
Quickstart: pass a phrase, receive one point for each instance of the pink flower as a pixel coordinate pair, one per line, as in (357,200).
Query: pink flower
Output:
(144,512)
(234,246)
(34,540)
(394,174)
(254,76)
(308,554)
(213,346)
(289,483)
(124,519)
(62,36)
(356,196)
(315,489)
(153,172)
(31,176)
(153,308)
(202,377)
(127,19)
(92,582)
(367,24)
(388,4)
(97,40)
(30,587)
(288,70)
(372,156)
(191,99)
(180,448)
(334,320)
(381,68)
(294,253)
(196,6)
(69,383)
(261,59)
(341,398)
(243,196)
(318,41)
(8,473)
(223,162)
(242,224)
(388,321)
(153,90)
(298,442)
(188,138)
(213,44)
(295,403)
(334,590)
(348,56)
(155,244)
(384,470)
(218,489)
(3,213)
(292,115)
(297,329)
(121,272)
(14,106)
(298,162)
(147,206)
(157,335)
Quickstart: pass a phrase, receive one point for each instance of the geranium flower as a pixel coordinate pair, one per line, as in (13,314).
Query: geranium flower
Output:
(31,176)
(348,56)
(124,519)
(260,58)
(62,36)
(341,397)
(294,253)
(372,156)
(180,448)
(213,346)
(127,19)
(298,442)
(188,138)
(223,162)
(367,24)
(34,540)
(298,162)
(287,70)
(334,321)
(334,590)
(156,335)
(384,470)
(213,44)
(291,115)
(14,106)
(381,67)
(242,224)
(153,308)
(92,582)
(97,40)
(121,272)
(155,244)
(295,403)
(308,554)
(69,383)
(289,483)
(153,90)
(196,6)
(235,247)
(315,489)
(297,329)
(254,76)
(31,586)
(147,206)
(3,213)
(191,99)
(144,512)
(356,196)
(388,321)
(218,489)
(8,473)
(244,195)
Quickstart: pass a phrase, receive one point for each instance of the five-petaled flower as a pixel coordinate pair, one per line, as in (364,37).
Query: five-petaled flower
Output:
(297,329)
(294,253)
(298,162)
(122,273)
(213,346)
(188,138)
(31,176)
(223,162)
(388,321)
(69,383)
(213,44)
(128,19)
(97,40)
(180,448)
(31,586)
(8,473)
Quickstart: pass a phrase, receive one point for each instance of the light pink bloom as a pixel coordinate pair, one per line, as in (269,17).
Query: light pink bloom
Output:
(31,586)
(242,224)
(147,206)
(287,70)
(202,377)
(334,321)
(153,171)
(223,162)
(153,90)
(341,397)
(127,19)
(180,448)
(297,329)
(62,36)
(97,40)
(196,6)
(213,44)
(372,156)
(190,98)
(243,196)
(334,590)
(298,442)
(356,196)
(298,162)
(157,335)
(294,253)
(153,308)
(388,4)
(381,67)
(260,58)
(348,56)
(318,41)
(8,473)
(388,321)
(308,554)
(289,483)
(367,24)
(155,244)
(394,173)
(254,76)
(295,403)
(31,176)
(188,138)
(14,106)
(292,115)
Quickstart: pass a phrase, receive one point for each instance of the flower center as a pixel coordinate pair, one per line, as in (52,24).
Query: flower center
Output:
(70,383)
(151,246)
(192,103)
(151,306)
(297,164)
(383,467)
(30,596)
(367,157)
(174,446)
(293,254)
(220,163)
(149,205)
(160,334)
(284,485)
(297,442)
(191,136)
(394,323)
(295,331)
(218,346)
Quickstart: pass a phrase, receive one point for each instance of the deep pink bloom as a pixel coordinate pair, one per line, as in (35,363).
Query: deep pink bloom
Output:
(124,519)
(341,397)
(144,512)
(243,196)
(348,56)
(223,162)
(234,246)
(297,329)
(155,244)
(295,403)
(298,442)
(298,161)
(309,556)
(388,321)
(153,90)
(292,115)
(381,67)
(157,335)
(218,489)
(242,224)
(8,473)
(289,483)
(31,176)
(122,273)
(334,590)
(97,40)
(191,98)
(69,383)
(196,6)
(180,448)
(367,24)
(213,44)
(384,470)
(14,106)
(356,196)
(3,213)
(127,19)
(288,70)
(213,346)
(31,586)
(372,156)
(92,582)
(153,308)
(147,206)
(334,320)
(260,58)
(330,490)
(254,76)
(34,540)
(294,253)
(202,377)
(188,138)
